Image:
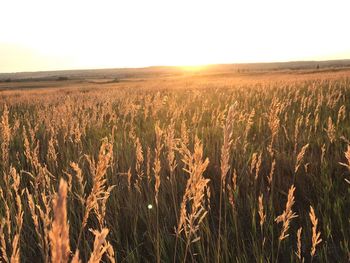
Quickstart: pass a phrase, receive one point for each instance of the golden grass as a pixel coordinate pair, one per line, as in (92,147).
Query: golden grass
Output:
(316,236)
(286,217)
(239,168)
(59,233)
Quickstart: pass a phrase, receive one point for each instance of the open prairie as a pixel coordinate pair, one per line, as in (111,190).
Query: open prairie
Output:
(186,167)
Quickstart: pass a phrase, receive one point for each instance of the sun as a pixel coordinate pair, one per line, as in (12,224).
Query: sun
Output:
(193,68)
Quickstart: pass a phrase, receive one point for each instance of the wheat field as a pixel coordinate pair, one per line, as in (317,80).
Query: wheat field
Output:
(185,169)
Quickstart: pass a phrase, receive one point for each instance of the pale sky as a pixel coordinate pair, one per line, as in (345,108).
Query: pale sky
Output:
(71,34)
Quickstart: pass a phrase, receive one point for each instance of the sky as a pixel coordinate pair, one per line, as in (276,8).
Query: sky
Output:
(40,35)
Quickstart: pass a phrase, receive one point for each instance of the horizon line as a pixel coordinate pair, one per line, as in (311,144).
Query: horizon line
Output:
(178,65)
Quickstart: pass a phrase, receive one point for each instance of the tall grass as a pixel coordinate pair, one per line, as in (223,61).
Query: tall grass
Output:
(194,170)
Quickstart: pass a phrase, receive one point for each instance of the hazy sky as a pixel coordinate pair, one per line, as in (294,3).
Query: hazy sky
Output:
(66,34)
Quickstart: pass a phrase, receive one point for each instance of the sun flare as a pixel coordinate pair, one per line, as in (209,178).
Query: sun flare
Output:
(193,68)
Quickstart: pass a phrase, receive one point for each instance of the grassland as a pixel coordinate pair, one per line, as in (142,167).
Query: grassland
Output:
(189,168)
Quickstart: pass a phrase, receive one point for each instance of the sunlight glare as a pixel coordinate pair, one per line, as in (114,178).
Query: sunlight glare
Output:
(94,34)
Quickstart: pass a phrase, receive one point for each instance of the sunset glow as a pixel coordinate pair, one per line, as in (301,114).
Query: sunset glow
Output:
(47,35)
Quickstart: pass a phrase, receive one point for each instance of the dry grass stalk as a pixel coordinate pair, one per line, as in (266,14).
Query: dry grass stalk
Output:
(59,233)
(75,258)
(315,235)
(81,184)
(196,190)
(287,215)
(248,127)
(76,133)
(157,165)
(224,164)
(139,159)
(129,176)
(347,156)
(331,130)
(232,189)
(9,239)
(300,157)
(31,155)
(274,124)
(3,245)
(226,146)
(171,145)
(298,253)
(317,121)
(37,225)
(323,152)
(51,147)
(184,134)
(341,114)
(298,125)
(148,164)
(100,245)
(7,216)
(270,177)
(46,222)
(15,256)
(253,162)
(99,191)
(101,209)
(5,137)
(261,213)
(256,164)
(110,253)
(98,196)
(14,241)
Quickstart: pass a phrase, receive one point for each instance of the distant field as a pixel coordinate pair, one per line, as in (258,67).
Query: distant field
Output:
(201,166)
(305,67)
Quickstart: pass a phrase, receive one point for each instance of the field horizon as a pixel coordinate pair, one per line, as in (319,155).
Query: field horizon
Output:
(156,71)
